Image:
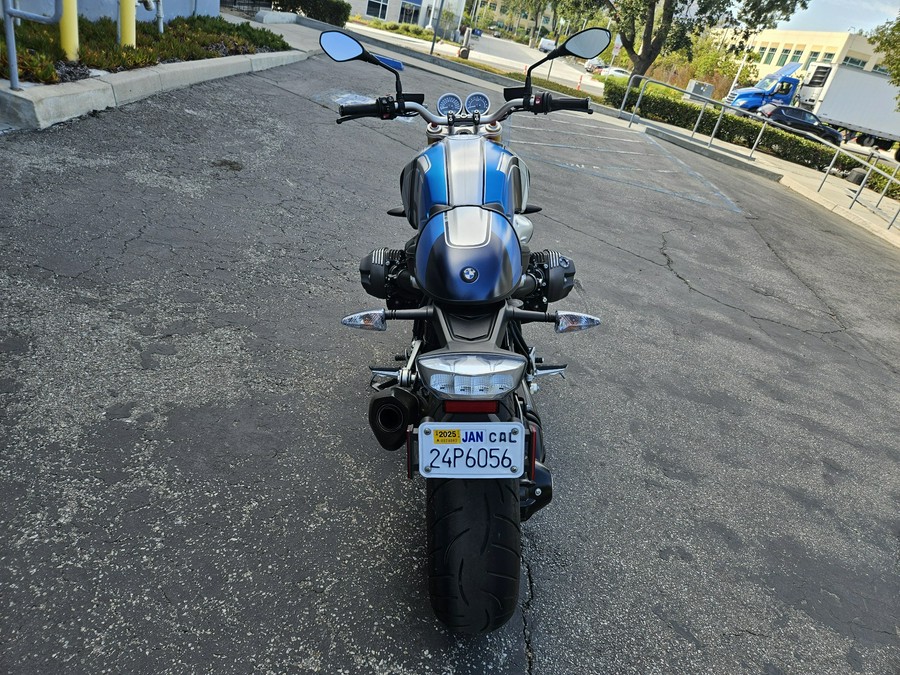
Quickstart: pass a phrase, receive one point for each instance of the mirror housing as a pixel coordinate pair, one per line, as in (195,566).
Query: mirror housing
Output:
(341,47)
(585,44)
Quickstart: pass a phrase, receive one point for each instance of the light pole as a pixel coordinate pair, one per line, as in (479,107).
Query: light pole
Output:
(435,24)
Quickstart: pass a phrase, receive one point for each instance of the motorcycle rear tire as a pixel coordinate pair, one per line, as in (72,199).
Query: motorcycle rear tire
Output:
(474,552)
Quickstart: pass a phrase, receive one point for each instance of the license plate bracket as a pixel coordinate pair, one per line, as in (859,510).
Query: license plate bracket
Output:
(471,449)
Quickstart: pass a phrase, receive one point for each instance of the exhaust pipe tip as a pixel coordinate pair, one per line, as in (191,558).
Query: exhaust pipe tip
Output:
(390,413)
(389,418)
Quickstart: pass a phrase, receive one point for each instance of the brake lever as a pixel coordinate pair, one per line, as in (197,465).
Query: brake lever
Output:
(347,118)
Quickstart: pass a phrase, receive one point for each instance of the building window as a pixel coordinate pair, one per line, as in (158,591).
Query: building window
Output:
(813,57)
(769,56)
(409,12)
(880,69)
(785,53)
(795,57)
(377,8)
(854,63)
(492,6)
(762,52)
(828,58)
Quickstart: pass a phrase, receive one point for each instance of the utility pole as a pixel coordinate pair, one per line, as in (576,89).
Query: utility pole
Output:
(435,24)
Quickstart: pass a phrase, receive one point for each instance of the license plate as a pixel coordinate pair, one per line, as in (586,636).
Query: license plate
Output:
(471,450)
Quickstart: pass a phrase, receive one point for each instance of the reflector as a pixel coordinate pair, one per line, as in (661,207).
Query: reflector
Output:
(486,407)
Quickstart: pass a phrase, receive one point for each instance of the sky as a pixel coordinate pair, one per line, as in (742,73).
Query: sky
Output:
(843,15)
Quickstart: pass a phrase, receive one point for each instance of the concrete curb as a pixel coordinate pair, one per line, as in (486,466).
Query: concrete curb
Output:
(40,106)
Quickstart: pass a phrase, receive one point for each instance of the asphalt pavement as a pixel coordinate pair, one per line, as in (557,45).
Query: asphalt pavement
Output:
(39,106)
(187,478)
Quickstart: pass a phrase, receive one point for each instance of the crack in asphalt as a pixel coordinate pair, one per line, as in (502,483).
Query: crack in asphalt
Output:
(601,240)
(670,265)
(526,607)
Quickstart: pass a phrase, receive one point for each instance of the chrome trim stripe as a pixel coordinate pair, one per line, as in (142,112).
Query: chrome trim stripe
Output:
(465,170)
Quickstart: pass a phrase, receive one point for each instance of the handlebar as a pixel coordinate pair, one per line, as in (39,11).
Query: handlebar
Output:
(565,103)
(361,109)
(387,108)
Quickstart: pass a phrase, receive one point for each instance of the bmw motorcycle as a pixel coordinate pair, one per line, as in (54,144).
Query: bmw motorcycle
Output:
(459,400)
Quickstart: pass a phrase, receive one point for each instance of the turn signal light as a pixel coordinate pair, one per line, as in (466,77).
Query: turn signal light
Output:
(374,319)
(567,322)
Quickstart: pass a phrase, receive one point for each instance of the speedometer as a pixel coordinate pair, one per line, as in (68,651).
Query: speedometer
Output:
(449,104)
(477,103)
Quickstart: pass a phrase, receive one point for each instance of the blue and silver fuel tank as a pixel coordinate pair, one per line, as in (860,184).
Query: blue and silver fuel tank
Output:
(462,194)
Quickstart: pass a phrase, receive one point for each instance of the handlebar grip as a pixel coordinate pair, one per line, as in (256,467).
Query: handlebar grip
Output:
(583,104)
(373,109)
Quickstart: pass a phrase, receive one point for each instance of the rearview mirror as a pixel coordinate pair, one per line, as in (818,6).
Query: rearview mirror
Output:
(340,46)
(587,44)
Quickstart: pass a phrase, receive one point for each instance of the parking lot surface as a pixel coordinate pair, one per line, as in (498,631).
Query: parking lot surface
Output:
(187,477)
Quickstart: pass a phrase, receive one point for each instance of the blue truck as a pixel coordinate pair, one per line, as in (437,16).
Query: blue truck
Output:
(779,87)
(861,104)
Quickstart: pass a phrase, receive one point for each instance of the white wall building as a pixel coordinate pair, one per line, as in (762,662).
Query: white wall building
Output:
(405,11)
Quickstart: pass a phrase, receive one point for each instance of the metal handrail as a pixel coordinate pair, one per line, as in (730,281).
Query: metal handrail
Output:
(10,12)
(872,167)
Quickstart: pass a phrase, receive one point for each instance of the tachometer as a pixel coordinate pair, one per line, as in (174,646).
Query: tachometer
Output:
(449,104)
(477,103)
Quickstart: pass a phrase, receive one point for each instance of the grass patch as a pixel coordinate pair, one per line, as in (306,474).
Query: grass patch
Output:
(41,58)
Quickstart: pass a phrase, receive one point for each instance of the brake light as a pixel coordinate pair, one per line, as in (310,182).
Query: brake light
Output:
(484,407)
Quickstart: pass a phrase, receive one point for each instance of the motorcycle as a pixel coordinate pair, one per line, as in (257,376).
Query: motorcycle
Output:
(460,398)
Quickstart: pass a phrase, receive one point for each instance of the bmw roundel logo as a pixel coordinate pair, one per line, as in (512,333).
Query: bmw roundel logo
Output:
(469,274)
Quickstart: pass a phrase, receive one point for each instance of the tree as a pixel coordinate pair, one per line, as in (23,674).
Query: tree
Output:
(886,39)
(647,26)
(535,9)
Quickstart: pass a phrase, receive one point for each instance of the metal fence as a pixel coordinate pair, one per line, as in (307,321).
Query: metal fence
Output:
(11,15)
(871,167)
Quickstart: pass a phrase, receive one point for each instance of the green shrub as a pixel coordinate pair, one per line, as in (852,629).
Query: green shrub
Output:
(184,39)
(877,182)
(335,12)
(732,129)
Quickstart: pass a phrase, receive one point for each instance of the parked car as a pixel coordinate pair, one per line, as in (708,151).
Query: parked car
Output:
(615,72)
(593,65)
(801,120)
(547,45)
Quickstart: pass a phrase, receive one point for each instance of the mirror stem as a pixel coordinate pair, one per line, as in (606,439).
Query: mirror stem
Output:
(544,60)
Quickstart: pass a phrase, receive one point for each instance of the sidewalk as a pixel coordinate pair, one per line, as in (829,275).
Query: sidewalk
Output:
(67,101)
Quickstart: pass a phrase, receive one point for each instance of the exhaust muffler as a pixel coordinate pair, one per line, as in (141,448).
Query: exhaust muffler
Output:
(390,413)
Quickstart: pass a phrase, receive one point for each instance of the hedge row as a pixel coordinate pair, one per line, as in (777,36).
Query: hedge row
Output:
(335,12)
(739,131)
(41,58)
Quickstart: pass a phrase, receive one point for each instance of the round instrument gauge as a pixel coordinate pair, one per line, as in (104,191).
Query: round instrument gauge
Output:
(477,103)
(449,104)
